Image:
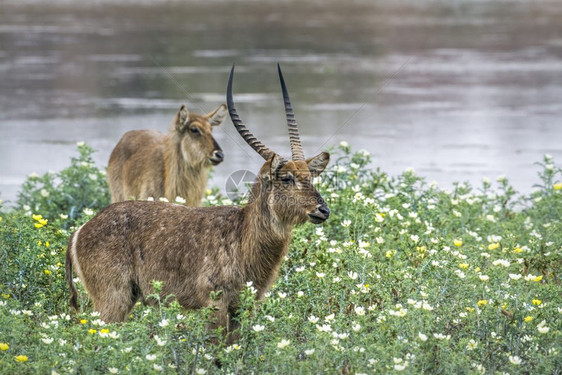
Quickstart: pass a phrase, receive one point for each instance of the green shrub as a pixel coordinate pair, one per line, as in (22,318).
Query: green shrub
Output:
(66,193)
(403,277)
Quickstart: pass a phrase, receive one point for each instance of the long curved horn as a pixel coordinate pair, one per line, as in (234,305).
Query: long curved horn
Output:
(259,147)
(294,137)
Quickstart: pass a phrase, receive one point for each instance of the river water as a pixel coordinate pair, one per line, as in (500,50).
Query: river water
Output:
(458,90)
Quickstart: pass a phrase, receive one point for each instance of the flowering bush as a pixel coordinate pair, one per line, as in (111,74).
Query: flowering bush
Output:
(67,193)
(403,277)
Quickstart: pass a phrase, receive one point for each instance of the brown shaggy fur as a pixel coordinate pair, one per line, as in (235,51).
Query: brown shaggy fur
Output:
(147,163)
(195,250)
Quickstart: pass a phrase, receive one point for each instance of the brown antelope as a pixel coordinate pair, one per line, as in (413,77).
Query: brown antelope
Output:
(198,250)
(147,163)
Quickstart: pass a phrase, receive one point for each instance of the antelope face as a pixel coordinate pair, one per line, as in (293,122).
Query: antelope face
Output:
(286,184)
(195,131)
(291,194)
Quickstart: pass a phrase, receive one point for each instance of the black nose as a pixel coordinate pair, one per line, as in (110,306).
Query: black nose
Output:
(324,210)
(218,155)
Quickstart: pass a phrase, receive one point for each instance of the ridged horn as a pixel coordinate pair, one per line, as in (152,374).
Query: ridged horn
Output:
(254,143)
(294,137)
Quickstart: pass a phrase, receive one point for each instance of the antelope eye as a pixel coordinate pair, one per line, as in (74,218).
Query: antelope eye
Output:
(195,130)
(287,179)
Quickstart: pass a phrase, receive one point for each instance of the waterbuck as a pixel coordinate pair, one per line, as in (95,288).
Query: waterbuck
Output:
(199,250)
(147,163)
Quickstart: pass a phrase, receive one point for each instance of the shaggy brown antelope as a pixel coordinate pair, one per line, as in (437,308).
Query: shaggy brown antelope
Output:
(147,163)
(198,250)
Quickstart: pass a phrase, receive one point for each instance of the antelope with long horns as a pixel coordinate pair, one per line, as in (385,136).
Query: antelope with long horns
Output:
(147,163)
(197,250)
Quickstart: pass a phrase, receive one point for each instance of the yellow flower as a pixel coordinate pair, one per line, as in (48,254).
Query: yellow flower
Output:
(536,302)
(1,218)
(7,295)
(538,278)
(457,242)
(38,225)
(477,269)
(493,246)
(389,254)
(528,319)
(470,309)
(37,217)
(92,331)
(83,321)
(21,358)
(47,244)
(47,272)
(482,302)
(463,265)
(104,330)
(4,346)
(43,221)
(518,250)
(557,186)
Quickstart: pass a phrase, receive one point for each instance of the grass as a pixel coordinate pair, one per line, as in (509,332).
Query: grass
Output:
(404,277)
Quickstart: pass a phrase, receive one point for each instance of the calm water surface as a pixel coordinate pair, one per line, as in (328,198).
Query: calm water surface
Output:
(457,90)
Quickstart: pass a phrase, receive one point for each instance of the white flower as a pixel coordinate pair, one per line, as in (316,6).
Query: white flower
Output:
(514,276)
(113,370)
(346,223)
(180,200)
(283,343)
(440,336)
(270,318)
(542,327)
(356,327)
(360,311)
(471,345)
(88,211)
(422,336)
(300,293)
(344,144)
(484,277)
(114,335)
(157,367)
(163,199)
(44,193)
(320,275)
(200,371)
(309,351)
(159,341)
(501,262)
(258,328)
(150,357)
(515,359)
(330,317)
(80,143)
(324,328)
(164,323)
(312,319)
(47,340)
(282,295)
(299,269)
(352,275)
(93,176)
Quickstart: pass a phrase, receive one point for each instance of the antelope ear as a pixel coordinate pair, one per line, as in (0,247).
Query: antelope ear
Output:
(181,119)
(276,162)
(216,117)
(318,163)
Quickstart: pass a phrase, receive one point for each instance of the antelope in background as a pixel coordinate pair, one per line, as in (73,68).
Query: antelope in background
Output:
(197,250)
(147,163)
